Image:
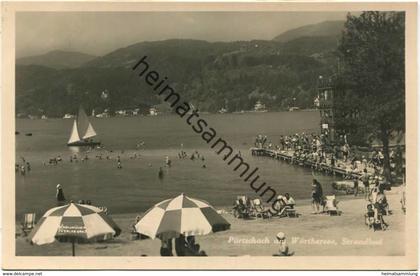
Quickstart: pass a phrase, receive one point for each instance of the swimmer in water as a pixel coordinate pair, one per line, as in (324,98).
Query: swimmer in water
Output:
(167,161)
(160,173)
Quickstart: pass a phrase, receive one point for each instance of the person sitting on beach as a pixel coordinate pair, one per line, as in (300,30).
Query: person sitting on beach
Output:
(283,203)
(190,247)
(290,202)
(280,204)
(241,208)
(284,248)
(180,245)
(166,248)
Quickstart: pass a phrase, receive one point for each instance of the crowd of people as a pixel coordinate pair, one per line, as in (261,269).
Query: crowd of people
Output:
(362,167)
(102,153)
(315,150)
(23,167)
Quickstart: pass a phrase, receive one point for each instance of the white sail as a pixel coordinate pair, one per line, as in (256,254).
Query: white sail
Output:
(74,137)
(82,128)
(90,132)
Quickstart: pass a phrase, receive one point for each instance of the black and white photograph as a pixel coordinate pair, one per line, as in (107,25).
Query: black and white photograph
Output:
(213,133)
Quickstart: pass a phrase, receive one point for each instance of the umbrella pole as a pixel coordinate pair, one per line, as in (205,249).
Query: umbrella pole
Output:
(73,249)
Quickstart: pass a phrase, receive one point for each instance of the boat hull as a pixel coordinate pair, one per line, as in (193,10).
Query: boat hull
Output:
(84,144)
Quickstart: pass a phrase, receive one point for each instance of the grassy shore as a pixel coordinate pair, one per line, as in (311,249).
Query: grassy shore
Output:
(307,235)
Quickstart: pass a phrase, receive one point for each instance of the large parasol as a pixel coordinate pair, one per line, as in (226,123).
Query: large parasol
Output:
(180,215)
(74,223)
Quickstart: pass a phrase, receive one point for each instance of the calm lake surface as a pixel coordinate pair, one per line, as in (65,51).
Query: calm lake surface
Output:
(136,187)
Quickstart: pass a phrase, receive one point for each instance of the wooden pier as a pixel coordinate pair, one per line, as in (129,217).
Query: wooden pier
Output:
(321,167)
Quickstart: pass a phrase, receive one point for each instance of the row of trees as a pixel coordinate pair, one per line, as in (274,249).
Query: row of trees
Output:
(370,84)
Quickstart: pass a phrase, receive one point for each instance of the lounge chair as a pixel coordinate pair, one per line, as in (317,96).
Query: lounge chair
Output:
(285,210)
(259,209)
(29,223)
(290,212)
(331,206)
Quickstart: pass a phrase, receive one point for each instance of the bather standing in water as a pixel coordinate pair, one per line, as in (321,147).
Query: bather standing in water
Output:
(168,161)
(61,200)
(160,173)
(22,170)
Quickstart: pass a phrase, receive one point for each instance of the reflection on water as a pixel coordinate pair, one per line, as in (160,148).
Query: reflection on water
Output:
(74,150)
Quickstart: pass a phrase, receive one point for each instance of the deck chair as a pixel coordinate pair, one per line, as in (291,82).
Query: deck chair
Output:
(285,210)
(260,210)
(291,212)
(331,206)
(288,211)
(29,223)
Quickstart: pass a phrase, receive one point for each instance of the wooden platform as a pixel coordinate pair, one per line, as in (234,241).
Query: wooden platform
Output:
(321,167)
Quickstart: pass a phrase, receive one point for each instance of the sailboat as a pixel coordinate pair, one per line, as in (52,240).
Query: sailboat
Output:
(82,131)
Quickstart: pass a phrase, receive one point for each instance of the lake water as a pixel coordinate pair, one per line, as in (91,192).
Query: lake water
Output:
(136,186)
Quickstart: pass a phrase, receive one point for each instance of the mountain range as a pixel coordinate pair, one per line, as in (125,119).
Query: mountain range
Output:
(281,72)
(57,59)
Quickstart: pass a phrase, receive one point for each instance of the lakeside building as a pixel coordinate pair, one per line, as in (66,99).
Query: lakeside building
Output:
(260,107)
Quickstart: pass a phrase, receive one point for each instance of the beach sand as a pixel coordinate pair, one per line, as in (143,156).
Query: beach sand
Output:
(307,235)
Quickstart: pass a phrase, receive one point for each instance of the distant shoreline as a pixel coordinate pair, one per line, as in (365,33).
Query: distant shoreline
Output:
(35,117)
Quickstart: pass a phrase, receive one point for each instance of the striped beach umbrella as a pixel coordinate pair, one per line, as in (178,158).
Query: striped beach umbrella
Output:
(74,223)
(180,215)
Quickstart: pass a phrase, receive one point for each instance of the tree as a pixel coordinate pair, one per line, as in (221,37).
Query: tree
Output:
(372,76)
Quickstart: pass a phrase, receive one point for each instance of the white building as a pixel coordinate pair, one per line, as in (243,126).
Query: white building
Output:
(153,111)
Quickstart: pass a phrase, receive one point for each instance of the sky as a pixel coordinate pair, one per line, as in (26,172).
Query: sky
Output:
(99,33)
